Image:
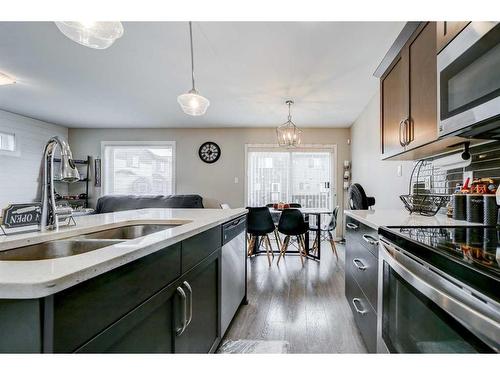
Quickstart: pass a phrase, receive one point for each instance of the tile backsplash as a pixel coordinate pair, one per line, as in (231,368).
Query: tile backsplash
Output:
(485,163)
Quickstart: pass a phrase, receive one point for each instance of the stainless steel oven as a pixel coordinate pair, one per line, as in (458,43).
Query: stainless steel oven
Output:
(423,310)
(469,83)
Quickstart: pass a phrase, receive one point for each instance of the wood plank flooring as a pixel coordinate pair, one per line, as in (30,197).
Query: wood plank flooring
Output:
(304,306)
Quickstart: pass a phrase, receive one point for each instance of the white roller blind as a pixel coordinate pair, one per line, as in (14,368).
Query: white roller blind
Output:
(292,176)
(139,168)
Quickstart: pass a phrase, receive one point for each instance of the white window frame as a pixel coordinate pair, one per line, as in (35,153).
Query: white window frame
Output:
(104,144)
(305,147)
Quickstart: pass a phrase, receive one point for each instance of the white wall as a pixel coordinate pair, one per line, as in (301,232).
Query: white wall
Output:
(378,178)
(20,173)
(214,182)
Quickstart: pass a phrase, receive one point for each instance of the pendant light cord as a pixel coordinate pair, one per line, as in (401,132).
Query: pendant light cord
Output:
(192,54)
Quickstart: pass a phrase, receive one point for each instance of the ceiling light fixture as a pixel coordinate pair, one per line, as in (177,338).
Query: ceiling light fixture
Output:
(6,80)
(98,35)
(288,134)
(192,103)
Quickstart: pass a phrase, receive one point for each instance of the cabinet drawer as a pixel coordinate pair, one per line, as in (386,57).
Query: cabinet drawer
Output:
(197,248)
(83,311)
(364,315)
(363,234)
(146,329)
(363,266)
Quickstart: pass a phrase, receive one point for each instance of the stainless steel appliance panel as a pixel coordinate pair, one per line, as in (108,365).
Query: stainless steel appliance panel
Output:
(421,309)
(469,83)
(233,274)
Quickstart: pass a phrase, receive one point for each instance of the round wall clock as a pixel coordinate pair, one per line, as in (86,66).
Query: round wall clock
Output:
(209,152)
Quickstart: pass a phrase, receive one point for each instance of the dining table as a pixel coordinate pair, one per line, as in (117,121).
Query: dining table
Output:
(307,212)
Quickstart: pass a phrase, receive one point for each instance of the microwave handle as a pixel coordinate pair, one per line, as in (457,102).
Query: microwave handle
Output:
(473,313)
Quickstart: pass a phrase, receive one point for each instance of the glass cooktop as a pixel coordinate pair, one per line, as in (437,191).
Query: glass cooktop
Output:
(477,246)
(471,254)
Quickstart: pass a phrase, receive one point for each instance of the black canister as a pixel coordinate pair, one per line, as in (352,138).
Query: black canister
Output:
(490,209)
(475,208)
(458,202)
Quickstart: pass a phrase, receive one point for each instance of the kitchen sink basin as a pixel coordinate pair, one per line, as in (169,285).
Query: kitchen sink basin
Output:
(55,249)
(129,232)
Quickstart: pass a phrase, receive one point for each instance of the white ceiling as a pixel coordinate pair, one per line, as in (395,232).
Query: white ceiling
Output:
(245,69)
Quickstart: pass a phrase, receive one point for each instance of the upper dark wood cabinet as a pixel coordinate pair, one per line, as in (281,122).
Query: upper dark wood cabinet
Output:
(446,31)
(394,107)
(422,120)
(408,95)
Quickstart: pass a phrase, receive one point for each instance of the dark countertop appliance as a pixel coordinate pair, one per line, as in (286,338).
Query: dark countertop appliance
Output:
(439,290)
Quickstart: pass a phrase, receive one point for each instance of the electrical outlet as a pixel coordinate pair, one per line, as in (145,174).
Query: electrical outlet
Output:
(400,170)
(236,180)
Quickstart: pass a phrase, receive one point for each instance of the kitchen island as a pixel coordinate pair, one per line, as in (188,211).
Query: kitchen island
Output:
(157,292)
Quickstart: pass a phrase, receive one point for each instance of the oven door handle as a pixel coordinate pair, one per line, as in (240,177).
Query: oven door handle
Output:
(480,317)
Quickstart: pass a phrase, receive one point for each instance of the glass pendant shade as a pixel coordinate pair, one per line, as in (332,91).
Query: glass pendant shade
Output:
(192,103)
(98,35)
(288,134)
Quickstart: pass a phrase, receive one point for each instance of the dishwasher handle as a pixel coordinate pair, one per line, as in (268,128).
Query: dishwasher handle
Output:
(233,228)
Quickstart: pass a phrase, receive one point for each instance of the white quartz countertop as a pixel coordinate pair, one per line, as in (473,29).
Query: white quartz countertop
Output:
(400,217)
(40,278)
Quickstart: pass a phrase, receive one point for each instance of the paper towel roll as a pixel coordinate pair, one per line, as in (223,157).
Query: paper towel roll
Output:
(451,162)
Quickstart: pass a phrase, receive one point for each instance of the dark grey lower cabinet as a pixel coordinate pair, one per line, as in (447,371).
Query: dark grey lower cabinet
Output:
(202,332)
(147,329)
(361,278)
(155,326)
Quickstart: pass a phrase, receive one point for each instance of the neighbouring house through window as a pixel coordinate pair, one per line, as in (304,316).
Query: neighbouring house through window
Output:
(143,168)
(300,175)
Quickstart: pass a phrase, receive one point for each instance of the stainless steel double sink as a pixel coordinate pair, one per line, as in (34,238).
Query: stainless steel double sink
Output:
(82,243)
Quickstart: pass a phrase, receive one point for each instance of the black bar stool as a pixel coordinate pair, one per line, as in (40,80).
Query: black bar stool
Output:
(292,223)
(260,223)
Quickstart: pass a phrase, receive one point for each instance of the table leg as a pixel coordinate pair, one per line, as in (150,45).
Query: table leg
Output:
(306,240)
(319,235)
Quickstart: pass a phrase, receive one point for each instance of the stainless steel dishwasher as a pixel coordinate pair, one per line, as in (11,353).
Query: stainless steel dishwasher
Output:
(233,273)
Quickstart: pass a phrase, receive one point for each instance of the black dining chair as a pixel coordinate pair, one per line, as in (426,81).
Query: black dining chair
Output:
(260,224)
(292,223)
(325,233)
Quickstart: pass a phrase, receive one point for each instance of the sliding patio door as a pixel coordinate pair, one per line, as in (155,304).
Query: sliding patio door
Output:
(302,176)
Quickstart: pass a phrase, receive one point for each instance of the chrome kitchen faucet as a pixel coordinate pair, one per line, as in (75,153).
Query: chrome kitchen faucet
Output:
(69,173)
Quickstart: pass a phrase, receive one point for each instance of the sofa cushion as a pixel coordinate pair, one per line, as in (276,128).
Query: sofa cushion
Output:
(112,203)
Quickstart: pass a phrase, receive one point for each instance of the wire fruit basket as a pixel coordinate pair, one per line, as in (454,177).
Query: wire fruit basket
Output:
(425,204)
(421,201)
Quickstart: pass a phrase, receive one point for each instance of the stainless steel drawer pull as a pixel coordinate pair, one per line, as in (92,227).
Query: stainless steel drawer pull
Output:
(186,284)
(370,239)
(351,226)
(359,264)
(359,311)
(181,330)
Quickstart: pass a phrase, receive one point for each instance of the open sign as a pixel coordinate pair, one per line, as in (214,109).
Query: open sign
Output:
(22,215)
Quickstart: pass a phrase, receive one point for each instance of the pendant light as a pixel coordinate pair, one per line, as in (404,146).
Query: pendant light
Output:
(192,103)
(288,134)
(98,35)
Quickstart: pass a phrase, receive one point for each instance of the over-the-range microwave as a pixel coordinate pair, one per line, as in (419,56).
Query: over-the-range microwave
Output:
(468,71)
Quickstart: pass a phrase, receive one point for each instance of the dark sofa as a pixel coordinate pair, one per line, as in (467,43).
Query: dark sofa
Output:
(112,203)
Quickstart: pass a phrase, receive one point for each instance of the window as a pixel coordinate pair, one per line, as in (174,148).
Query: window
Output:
(7,142)
(143,168)
(300,176)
